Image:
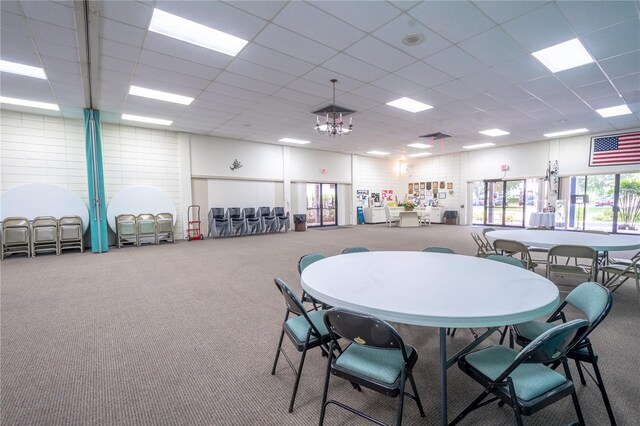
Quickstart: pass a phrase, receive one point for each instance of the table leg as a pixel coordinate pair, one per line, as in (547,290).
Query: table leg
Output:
(443,376)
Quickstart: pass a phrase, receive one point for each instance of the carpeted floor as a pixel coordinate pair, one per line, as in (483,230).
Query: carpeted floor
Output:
(185,334)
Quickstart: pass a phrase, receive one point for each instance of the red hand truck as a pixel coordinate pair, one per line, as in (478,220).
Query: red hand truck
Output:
(193,223)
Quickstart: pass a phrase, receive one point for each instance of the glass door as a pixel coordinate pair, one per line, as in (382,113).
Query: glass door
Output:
(494,202)
(505,202)
(321,204)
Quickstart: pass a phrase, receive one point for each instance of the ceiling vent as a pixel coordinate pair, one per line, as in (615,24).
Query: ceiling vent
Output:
(436,136)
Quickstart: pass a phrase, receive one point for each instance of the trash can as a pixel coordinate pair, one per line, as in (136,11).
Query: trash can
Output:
(450,217)
(360,211)
(300,222)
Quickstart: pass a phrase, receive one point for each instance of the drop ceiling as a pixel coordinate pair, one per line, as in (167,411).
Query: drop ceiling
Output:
(474,67)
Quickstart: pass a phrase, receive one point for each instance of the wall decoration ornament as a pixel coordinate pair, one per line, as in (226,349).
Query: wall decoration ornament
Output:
(235,165)
(552,176)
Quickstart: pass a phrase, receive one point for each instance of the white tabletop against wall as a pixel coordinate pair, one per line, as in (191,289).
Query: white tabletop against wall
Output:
(599,242)
(139,200)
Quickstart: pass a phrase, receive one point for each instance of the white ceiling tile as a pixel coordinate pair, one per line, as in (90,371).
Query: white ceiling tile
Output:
(377,13)
(323,76)
(572,109)
(297,96)
(455,21)
(136,13)
(250,84)
(486,80)
(13,23)
(18,48)
(459,108)
(404,4)
(353,101)
(628,83)
(263,9)
(589,16)
(147,73)
(502,11)
(210,97)
(544,86)
(550,116)
(117,64)
(493,47)
(54,64)
(396,84)
(424,74)
(258,72)
(510,94)
(376,93)
(433,98)
(353,68)
(119,50)
(454,61)
(155,107)
(51,12)
(58,51)
(523,69)
(484,102)
(217,88)
(54,34)
(540,28)
(307,20)
(618,66)
(597,90)
(530,105)
(456,89)
(69,79)
(203,107)
(217,15)
(11,6)
(123,33)
(276,60)
(160,60)
(290,43)
(316,89)
(581,76)
(373,51)
(17,86)
(182,50)
(614,40)
(395,31)
(66,87)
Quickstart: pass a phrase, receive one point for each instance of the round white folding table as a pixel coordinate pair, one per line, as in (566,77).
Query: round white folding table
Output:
(432,289)
(547,239)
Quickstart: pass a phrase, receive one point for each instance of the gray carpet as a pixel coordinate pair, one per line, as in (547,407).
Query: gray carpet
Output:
(185,334)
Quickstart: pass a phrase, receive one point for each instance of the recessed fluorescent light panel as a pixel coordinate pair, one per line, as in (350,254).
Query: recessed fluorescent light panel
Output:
(420,145)
(494,132)
(614,111)
(191,32)
(146,119)
(564,56)
(566,133)
(20,69)
(479,145)
(420,154)
(161,96)
(377,153)
(290,140)
(27,103)
(409,105)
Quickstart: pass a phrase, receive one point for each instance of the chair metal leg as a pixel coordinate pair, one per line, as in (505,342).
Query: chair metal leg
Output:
(403,379)
(476,402)
(275,363)
(326,385)
(574,395)
(603,391)
(415,393)
(295,386)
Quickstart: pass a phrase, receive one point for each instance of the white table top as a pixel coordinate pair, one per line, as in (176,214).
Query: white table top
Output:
(599,242)
(432,289)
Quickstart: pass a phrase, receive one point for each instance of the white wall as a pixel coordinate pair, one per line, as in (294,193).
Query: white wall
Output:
(243,193)
(306,165)
(42,149)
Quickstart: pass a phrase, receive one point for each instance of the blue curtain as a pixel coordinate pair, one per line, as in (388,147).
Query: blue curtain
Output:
(95,177)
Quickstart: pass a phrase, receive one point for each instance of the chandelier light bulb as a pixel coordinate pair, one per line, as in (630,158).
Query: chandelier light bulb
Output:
(335,126)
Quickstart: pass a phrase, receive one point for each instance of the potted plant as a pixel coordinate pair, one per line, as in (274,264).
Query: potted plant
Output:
(300,222)
(409,206)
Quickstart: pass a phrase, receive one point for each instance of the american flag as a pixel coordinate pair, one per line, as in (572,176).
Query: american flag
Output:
(615,149)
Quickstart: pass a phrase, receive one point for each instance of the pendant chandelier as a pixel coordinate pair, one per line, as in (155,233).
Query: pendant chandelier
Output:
(333,125)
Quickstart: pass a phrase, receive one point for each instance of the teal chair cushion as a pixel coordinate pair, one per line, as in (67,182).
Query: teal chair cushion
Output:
(532,329)
(591,298)
(382,365)
(529,380)
(299,327)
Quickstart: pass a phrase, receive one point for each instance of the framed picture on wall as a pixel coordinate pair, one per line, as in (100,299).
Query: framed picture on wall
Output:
(442,195)
(435,185)
(423,185)
(429,186)
(449,185)
(410,188)
(441,184)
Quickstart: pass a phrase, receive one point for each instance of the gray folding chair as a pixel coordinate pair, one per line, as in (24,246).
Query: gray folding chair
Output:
(146,229)
(577,254)
(237,225)
(511,248)
(44,235)
(16,236)
(268,220)
(126,230)
(282,219)
(219,223)
(164,228)
(253,222)
(70,231)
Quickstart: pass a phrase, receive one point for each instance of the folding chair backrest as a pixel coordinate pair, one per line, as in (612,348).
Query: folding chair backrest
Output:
(308,259)
(165,222)
(580,252)
(510,246)
(146,224)
(45,228)
(250,213)
(234,213)
(554,343)
(355,250)
(15,231)
(126,224)
(293,303)
(363,330)
(506,259)
(438,250)
(593,300)
(217,213)
(278,211)
(70,227)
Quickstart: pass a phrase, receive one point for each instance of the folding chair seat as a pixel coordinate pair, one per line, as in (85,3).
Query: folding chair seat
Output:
(282,219)
(219,223)
(587,272)
(306,330)
(44,235)
(594,302)
(508,260)
(146,229)
(70,231)
(253,222)
(619,273)
(126,230)
(376,358)
(268,220)
(438,250)
(164,228)
(16,236)
(510,248)
(303,262)
(355,250)
(522,380)
(483,249)
(237,225)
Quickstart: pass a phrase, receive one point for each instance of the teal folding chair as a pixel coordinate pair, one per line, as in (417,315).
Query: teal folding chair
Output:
(438,250)
(355,250)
